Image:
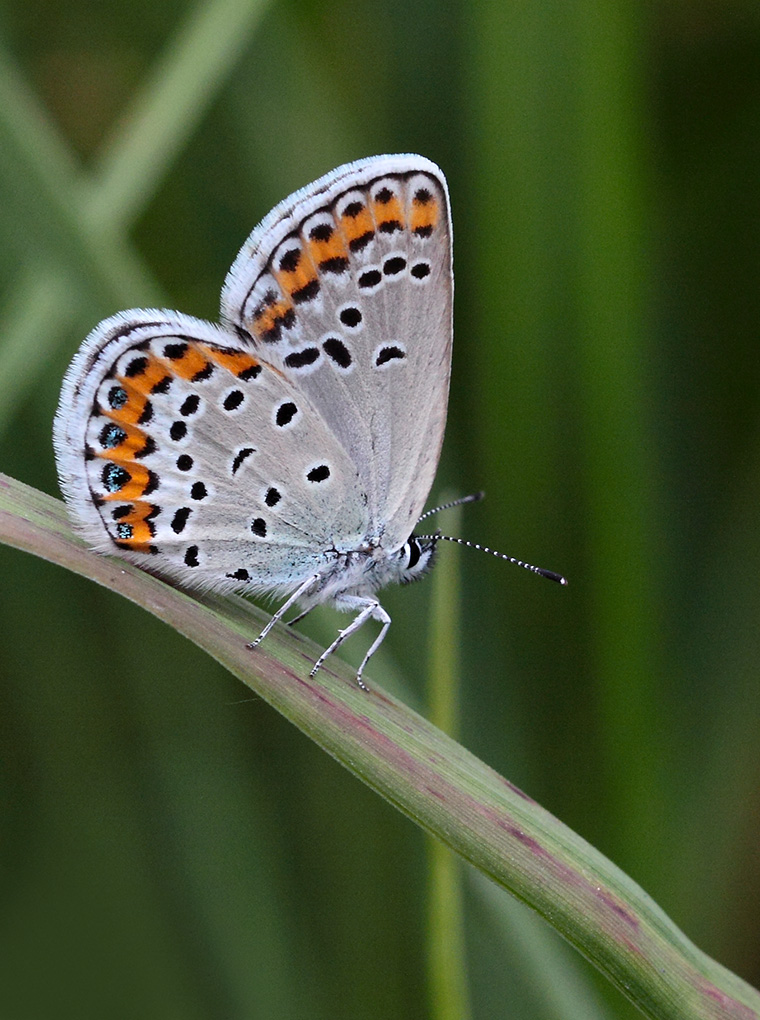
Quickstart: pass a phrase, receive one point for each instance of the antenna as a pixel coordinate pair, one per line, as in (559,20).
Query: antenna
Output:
(552,576)
(474,498)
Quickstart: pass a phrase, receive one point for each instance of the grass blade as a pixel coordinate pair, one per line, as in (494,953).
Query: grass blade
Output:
(429,777)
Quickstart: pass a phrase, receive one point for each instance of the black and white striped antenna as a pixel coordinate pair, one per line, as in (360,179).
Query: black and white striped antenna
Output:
(475,498)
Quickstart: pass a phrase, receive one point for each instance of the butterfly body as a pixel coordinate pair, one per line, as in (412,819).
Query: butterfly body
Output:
(290,449)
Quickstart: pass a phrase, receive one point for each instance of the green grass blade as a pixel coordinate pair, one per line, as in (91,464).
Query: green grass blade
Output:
(557,984)
(426,775)
(187,78)
(42,194)
(619,437)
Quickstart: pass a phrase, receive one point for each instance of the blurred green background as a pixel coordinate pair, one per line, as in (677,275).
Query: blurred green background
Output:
(170,847)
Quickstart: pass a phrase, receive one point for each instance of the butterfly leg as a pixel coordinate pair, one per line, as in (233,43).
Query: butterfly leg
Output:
(297,619)
(368,609)
(297,594)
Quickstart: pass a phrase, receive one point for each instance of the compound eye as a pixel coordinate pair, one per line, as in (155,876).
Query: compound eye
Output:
(414,553)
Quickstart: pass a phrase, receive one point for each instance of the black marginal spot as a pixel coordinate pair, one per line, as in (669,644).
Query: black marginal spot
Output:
(124,530)
(394,265)
(337,264)
(318,474)
(148,447)
(198,490)
(384,196)
(240,575)
(175,351)
(289,261)
(321,232)
(422,196)
(240,457)
(370,278)
(389,226)
(337,350)
(360,242)
(249,373)
(121,511)
(259,527)
(162,386)
(115,477)
(420,270)
(300,359)
(152,484)
(272,497)
(185,462)
(112,435)
(351,317)
(136,367)
(204,373)
(89,453)
(190,404)
(117,397)
(178,430)
(286,413)
(233,400)
(191,556)
(180,519)
(146,414)
(424,230)
(388,354)
(353,209)
(306,293)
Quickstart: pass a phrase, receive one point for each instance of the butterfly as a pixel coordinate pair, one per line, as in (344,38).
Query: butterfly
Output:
(290,449)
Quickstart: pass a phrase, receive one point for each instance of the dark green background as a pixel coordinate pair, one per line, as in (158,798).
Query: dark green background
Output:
(170,848)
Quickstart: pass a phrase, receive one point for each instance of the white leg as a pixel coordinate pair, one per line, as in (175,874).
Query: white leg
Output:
(368,608)
(297,594)
(386,621)
(297,619)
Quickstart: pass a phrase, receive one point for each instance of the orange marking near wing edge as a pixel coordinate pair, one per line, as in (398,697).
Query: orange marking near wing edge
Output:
(134,488)
(301,275)
(234,361)
(384,212)
(270,316)
(357,226)
(323,251)
(125,451)
(191,363)
(425,214)
(132,410)
(144,381)
(142,533)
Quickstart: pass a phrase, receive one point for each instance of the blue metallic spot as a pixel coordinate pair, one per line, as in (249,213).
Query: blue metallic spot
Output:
(115,477)
(117,397)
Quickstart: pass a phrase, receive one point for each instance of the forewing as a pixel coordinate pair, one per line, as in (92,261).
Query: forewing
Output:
(346,287)
(192,456)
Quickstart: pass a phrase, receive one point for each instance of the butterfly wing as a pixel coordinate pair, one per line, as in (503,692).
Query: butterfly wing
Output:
(187,454)
(346,287)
